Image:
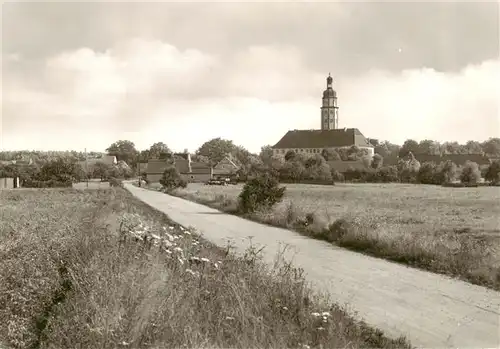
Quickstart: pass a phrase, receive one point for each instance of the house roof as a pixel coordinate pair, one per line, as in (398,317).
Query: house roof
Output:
(196,167)
(225,166)
(157,166)
(322,139)
(343,166)
(458,159)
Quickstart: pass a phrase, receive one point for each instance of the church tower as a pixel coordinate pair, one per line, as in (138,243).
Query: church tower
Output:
(329,110)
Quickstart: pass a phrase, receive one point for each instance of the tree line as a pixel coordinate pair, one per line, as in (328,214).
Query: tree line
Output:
(292,167)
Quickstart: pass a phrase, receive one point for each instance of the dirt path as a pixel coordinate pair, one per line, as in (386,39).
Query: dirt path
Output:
(431,310)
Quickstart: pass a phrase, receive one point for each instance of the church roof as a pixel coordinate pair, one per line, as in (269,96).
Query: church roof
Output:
(322,139)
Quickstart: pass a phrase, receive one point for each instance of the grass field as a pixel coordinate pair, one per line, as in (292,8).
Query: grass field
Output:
(99,269)
(454,231)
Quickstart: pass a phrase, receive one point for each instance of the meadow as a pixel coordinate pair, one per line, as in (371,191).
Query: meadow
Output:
(100,269)
(453,231)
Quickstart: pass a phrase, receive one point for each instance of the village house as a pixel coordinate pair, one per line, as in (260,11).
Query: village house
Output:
(191,171)
(89,164)
(310,142)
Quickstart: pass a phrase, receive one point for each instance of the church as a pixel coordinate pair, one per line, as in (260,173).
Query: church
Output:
(328,137)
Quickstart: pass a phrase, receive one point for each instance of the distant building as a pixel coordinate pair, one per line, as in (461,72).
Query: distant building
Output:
(329,136)
(458,159)
(191,171)
(9,183)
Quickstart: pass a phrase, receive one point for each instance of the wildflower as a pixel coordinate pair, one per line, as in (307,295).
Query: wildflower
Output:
(216,266)
(229,318)
(170,237)
(167,243)
(206,260)
(178,249)
(180,260)
(325,314)
(320,328)
(316,314)
(154,236)
(187,233)
(181,228)
(171,228)
(168,251)
(125,343)
(285,308)
(191,272)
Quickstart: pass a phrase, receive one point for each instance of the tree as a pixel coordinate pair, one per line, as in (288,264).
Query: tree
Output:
(171,179)
(330,154)
(61,170)
(427,173)
(449,171)
(266,153)
(124,150)
(262,192)
(470,173)
(101,170)
(159,150)
(216,149)
(493,172)
(290,155)
(473,147)
(409,145)
(492,147)
(429,147)
(241,155)
(377,161)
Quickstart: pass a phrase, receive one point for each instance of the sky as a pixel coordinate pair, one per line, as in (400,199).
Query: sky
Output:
(83,75)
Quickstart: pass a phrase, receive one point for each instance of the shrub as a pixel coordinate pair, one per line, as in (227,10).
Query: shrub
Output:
(338,229)
(259,193)
(337,176)
(115,182)
(171,179)
(470,173)
(493,172)
(427,174)
(449,171)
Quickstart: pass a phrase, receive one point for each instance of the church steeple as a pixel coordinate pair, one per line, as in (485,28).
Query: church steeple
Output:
(329,109)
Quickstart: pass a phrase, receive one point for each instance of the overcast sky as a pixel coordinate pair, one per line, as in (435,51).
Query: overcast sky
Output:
(78,75)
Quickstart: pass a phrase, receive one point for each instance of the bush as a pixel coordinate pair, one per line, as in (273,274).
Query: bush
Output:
(470,173)
(172,179)
(260,193)
(493,172)
(115,182)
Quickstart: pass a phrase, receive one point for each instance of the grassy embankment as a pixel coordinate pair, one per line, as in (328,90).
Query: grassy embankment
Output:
(73,275)
(449,231)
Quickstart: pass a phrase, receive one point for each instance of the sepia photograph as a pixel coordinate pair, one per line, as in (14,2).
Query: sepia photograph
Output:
(224,174)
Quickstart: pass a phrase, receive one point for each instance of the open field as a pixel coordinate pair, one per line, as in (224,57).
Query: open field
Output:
(445,230)
(76,271)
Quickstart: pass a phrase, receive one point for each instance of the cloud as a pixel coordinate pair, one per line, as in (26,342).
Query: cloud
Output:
(149,90)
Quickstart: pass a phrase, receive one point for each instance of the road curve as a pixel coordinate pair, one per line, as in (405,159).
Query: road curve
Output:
(432,310)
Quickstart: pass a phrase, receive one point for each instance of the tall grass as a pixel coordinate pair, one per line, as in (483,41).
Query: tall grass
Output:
(439,238)
(99,269)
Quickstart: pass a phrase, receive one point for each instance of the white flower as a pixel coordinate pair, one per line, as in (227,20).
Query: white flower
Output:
(320,328)
(316,314)
(168,251)
(180,261)
(167,243)
(285,308)
(216,266)
(178,249)
(206,260)
(154,236)
(325,314)
(170,237)
(171,228)
(181,228)
(229,318)
(187,233)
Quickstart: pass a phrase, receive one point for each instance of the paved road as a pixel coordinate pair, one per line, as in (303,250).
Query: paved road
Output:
(433,311)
